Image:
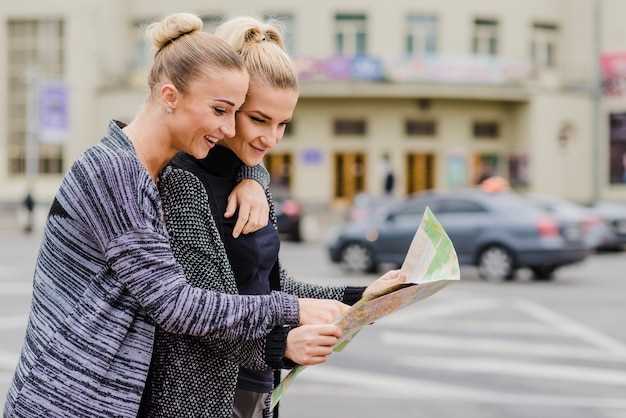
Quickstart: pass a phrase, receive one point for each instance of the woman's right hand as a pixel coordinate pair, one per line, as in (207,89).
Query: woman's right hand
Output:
(321,311)
(308,345)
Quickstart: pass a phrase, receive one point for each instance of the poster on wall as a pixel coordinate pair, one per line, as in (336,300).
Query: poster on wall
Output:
(456,170)
(617,148)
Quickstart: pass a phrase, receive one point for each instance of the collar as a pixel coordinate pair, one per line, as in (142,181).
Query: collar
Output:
(222,162)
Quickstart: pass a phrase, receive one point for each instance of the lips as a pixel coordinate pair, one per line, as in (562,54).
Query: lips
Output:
(257,149)
(211,141)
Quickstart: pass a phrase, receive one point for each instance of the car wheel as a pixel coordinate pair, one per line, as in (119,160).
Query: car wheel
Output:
(543,273)
(496,263)
(358,257)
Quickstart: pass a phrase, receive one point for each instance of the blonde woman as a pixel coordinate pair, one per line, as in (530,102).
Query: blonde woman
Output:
(210,377)
(106,274)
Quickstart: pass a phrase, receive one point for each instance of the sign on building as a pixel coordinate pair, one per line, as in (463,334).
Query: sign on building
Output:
(53,111)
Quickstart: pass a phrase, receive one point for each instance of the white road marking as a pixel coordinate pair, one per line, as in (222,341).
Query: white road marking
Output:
(572,327)
(387,386)
(484,327)
(441,310)
(499,346)
(490,365)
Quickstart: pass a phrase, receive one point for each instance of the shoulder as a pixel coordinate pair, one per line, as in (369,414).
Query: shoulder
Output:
(177,185)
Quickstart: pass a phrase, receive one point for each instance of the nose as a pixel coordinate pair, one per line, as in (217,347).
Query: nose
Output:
(269,141)
(228,128)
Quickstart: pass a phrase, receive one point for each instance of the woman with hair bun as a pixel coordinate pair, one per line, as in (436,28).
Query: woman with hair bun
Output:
(106,274)
(208,377)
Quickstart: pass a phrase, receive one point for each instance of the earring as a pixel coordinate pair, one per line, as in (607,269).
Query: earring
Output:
(168,109)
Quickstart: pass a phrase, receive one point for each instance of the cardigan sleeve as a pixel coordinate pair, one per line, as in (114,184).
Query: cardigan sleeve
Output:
(120,207)
(143,261)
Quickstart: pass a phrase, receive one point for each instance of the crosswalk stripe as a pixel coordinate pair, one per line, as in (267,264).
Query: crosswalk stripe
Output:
(481,327)
(499,346)
(396,387)
(441,310)
(491,365)
(573,328)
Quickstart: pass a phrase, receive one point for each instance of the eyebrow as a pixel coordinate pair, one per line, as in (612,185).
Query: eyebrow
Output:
(267,117)
(225,101)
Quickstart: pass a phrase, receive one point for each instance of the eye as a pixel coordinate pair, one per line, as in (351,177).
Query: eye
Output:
(219,111)
(257,119)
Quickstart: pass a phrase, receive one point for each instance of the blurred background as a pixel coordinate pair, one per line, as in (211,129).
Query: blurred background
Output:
(507,118)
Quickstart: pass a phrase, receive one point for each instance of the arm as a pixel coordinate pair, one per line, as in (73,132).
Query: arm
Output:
(143,261)
(249,197)
(119,206)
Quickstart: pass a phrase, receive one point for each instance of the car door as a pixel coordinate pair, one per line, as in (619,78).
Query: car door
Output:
(464,220)
(396,232)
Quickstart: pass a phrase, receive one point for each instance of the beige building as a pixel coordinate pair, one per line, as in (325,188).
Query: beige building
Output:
(446,89)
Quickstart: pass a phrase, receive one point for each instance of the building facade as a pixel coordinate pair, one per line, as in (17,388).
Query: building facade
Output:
(438,92)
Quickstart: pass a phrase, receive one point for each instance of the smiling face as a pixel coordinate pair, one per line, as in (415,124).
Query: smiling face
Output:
(205,113)
(261,121)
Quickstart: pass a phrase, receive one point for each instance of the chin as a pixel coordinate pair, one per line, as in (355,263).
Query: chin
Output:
(251,162)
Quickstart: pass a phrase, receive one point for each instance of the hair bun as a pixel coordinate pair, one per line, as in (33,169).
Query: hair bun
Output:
(172,27)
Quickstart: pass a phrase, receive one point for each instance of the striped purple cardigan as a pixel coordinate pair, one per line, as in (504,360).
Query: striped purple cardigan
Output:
(104,276)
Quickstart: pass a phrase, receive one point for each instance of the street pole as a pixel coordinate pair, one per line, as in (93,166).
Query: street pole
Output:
(32,148)
(597,127)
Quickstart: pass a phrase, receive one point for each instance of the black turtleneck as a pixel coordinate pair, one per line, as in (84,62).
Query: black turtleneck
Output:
(252,256)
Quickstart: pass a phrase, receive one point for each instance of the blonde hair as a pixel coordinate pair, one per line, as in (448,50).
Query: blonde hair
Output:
(262,50)
(183,52)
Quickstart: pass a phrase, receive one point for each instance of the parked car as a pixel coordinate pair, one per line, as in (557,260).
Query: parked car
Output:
(499,233)
(614,214)
(366,205)
(596,231)
(289,216)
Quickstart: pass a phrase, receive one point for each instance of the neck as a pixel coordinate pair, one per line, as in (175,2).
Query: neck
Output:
(230,144)
(151,139)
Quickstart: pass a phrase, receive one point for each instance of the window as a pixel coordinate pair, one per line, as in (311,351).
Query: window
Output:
(411,212)
(350,127)
(34,47)
(350,34)
(418,127)
(487,130)
(421,35)
(459,206)
(544,45)
(485,165)
(210,22)
(286,23)
(485,41)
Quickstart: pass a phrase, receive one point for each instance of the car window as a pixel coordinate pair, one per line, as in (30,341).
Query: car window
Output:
(459,206)
(410,212)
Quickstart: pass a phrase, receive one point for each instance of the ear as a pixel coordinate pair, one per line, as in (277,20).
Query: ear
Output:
(169,96)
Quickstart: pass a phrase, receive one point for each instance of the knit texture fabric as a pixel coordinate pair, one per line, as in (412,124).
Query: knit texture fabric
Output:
(197,377)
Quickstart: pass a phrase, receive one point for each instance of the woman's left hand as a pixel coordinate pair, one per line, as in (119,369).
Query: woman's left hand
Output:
(254,209)
(384,284)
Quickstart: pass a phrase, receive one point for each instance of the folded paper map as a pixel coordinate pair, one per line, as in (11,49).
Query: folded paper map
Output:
(430,264)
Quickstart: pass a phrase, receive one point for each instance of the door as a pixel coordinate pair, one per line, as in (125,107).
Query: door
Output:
(279,165)
(350,175)
(420,172)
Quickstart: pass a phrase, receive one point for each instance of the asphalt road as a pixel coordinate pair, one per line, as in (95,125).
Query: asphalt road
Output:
(476,349)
